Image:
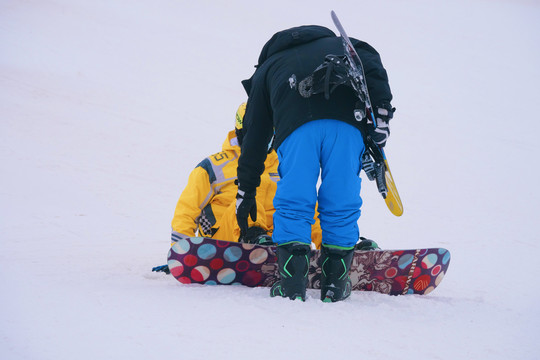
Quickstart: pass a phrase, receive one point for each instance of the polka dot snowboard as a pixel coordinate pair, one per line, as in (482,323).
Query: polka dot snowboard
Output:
(394,272)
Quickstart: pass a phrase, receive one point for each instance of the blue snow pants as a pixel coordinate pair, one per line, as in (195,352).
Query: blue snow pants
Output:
(332,149)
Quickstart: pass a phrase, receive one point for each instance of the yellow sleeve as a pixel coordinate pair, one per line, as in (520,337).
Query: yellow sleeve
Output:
(196,195)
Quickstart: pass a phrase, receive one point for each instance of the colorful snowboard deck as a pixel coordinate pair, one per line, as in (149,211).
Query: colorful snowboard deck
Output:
(394,272)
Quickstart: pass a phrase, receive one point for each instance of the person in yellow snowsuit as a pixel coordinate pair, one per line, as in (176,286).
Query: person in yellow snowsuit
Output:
(206,207)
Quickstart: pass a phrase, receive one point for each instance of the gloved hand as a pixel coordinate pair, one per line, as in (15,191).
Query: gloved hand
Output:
(245,205)
(162,268)
(381,132)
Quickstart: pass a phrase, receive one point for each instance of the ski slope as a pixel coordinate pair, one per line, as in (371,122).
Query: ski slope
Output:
(106,107)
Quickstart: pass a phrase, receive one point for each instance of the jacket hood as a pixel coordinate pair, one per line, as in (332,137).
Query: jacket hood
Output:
(231,143)
(292,37)
(287,39)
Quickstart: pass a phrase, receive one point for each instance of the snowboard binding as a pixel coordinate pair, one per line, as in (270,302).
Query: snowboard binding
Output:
(366,245)
(258,236)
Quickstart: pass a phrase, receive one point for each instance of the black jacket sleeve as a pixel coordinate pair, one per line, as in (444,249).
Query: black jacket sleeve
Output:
(258,131)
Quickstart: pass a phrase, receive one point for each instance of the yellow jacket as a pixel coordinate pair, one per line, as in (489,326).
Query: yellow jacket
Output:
(211,192)
(208,203)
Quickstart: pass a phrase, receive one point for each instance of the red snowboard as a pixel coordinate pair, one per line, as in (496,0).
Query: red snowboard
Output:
(394,272)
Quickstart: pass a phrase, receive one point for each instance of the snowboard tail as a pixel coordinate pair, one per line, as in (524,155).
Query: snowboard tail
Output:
(392,199)
(393,272)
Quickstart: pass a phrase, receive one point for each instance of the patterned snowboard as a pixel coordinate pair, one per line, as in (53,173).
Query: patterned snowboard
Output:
(394,272)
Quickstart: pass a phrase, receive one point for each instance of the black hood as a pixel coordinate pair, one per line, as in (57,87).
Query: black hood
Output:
(292,37)
(287,39)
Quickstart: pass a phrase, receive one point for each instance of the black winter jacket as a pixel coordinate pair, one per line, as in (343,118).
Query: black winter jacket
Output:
(275,105)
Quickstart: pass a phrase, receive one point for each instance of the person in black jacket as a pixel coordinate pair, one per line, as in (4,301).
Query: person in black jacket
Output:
(314,134)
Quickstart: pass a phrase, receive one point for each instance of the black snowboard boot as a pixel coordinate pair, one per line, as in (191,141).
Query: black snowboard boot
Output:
(335,280)
(293,264)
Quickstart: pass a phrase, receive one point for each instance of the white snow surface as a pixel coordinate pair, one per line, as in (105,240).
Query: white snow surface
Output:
(106,107)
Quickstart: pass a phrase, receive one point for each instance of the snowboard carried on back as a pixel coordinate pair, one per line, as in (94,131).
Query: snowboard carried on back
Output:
(394,272)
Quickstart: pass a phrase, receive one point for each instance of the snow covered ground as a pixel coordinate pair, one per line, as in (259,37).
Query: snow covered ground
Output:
(106,106)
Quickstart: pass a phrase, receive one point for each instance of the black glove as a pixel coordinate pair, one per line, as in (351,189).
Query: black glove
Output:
(245,205)
(162,268)
(381,132)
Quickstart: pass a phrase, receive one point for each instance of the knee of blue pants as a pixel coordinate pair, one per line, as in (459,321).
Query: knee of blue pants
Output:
(294,202)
